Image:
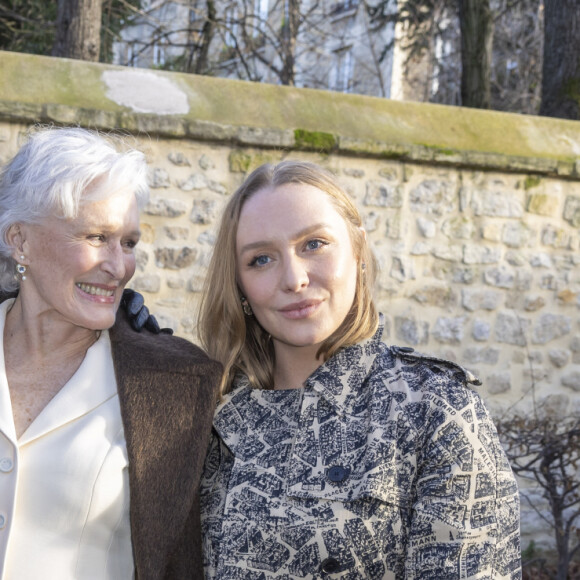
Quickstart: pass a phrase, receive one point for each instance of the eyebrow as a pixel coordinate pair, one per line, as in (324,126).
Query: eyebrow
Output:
(301,234)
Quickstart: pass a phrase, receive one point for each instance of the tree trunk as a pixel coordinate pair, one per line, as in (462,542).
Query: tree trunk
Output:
(561,69)
(78,29)
(476,25)
(202,63)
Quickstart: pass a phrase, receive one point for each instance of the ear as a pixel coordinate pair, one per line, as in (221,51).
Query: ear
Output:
(16,237)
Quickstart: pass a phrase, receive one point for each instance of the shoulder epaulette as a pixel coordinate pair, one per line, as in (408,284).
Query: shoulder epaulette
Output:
(406,352)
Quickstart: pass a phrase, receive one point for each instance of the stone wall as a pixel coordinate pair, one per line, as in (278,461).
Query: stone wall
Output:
(473,215)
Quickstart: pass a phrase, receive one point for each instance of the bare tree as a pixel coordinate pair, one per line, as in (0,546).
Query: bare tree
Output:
(78,29)
(544,449)
(561,71)
(476,24)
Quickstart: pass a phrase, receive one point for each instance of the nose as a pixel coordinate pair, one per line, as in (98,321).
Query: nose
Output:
(295,276)
(114,262)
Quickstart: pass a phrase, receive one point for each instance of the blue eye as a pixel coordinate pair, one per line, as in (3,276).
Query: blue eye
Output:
(315,244)
(260,261)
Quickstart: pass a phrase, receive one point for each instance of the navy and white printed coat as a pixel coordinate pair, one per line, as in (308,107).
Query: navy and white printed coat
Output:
(385,466)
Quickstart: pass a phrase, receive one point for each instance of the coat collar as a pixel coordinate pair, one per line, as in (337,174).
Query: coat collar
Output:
(341,380)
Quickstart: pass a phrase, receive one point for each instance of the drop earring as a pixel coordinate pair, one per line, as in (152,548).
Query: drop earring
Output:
(245,306)
(21,269)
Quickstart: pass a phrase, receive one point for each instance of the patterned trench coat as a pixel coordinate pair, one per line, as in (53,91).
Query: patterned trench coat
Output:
(386,465)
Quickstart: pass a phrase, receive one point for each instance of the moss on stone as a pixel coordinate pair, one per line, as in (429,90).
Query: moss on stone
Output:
(315,140)
(531,181)
(239,161)
(65,91)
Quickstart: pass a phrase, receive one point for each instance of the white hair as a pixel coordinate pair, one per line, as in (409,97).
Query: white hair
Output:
(53,173)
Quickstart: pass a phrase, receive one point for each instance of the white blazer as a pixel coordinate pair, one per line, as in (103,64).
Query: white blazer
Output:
(64,487)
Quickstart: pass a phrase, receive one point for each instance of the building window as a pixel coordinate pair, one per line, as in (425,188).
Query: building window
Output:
(341,72)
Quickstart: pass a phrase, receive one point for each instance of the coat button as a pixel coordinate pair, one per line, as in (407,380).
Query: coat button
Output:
(406,349)
(330,566)
(337,473)
(6,464)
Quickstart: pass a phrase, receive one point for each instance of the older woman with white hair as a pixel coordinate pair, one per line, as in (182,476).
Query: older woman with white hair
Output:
(102,430)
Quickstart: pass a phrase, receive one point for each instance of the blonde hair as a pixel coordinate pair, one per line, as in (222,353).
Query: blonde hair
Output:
(238,341)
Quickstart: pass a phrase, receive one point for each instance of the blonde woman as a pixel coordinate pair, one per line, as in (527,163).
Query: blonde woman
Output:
(334,455)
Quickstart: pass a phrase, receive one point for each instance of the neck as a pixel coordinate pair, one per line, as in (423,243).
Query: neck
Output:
(35,335)
(294,365)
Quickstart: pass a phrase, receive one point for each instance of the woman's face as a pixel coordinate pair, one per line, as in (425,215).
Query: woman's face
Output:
(296,264)
(77,269)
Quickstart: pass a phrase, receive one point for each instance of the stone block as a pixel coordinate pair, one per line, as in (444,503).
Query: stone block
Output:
(511,329)
(352,172)
(176,232)
(402,269)
(549,327)
(498,383)
(555,405)
(163,207)
(481,355)
(481,330)
(175,258)
(478,254)
(141,258)
(195,181)
(533,303)
(451,253)
(555,237)
(175,282)
(147,283)
(383,194)
(542,204)
(516,234)
(195,283)
(479,299)
(421,249)
(449,330)
(440,297)
(462,275)
(491,231)
(427,227)
(484,202)
(410,331)
(572,381)
(500,277)
(559,357)
(541,260)
(206,162)
(433,196)
(204,211)
(370,221)
(458,228)
(572,210)
(158,178)
(515,259)
(178,158)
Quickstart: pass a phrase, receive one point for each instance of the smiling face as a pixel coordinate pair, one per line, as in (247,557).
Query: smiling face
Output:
(77,269)
(295,264)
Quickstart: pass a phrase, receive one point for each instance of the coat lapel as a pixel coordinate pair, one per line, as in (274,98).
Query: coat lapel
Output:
(166,390)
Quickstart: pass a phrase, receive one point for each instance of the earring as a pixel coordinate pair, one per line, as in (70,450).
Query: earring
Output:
(363,266)
(245,306)
(21,269)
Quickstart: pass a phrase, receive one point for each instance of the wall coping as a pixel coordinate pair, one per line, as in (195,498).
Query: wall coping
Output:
(64,91)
